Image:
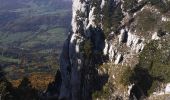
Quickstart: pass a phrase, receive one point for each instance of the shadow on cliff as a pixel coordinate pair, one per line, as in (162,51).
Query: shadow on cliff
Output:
(94,81)
(143,82)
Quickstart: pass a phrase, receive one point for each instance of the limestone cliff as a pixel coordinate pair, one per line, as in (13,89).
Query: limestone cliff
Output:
(112,32)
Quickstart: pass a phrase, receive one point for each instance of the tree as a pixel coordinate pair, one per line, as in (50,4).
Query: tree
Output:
(25,91)
(6,88)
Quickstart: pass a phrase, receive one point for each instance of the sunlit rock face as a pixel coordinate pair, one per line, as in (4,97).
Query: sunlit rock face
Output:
(103,31)
(167,89)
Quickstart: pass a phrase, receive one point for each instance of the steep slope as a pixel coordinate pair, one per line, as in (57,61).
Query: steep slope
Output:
(113,32)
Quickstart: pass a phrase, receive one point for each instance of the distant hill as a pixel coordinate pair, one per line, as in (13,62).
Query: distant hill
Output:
(31,35)
(18,4)
(32,18)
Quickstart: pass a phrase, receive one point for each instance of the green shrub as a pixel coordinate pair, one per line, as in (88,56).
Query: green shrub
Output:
(166,26)
(129,4)
(103,94)
(147,21)
(154,87)
(97,11)
(86,48)
(161,5)
(156,61)
(112,18)
(6,90)
(106,19)
(126,75)
(153,67)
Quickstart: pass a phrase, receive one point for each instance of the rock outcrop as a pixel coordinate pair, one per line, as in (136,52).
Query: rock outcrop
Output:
(113,31)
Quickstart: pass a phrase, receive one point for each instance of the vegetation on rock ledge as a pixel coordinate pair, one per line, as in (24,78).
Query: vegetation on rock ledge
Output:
(153,68)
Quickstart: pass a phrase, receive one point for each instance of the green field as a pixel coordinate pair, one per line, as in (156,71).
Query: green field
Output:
(29,39)
(9,60)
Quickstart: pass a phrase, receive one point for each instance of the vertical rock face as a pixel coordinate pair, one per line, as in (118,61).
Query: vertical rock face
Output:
(84,45)
(102,30)
(71,57)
